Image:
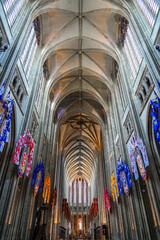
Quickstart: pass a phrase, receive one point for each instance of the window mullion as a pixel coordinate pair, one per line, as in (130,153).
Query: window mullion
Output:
(147,12)
(130,61)
(9,5)
(12,8)
(27,62)
(27,45)
(32,58)
(130,53)
(28,49)
(153,6)
(135,46)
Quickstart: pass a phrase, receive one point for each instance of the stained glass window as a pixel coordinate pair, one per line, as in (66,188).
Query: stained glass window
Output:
(80,191)
(31,57)
(70,194)
(84,194)
(28,52)
(132,52)
(149,8)
(40,92)
(75,191)
(37,29)
(27,45)
(80,224)
(12,9)
(89,196)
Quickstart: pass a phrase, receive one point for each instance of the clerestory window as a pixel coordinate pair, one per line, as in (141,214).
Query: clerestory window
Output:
(132,51)
(29,52)
(12,9)
(81,192)
(150,9)
(40,92)
(85,198)
(75,192)
(70,194)
(89,195)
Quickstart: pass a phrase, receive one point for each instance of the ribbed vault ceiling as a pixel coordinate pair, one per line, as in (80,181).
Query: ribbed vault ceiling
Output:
(79,40)
(81,140)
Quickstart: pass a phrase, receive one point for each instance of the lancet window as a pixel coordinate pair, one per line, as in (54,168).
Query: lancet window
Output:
(37,29)
(132,51)
(40,92)
(29,51)
(84,186)
(75,191)
(70,193)
(80,191)
(12,9)
(150,9)
(80,224)
(89,196)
